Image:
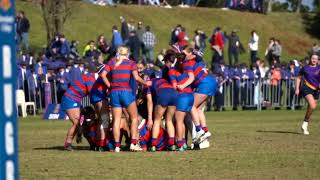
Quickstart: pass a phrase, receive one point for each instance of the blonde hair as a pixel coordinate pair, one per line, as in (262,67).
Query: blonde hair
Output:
(122,53)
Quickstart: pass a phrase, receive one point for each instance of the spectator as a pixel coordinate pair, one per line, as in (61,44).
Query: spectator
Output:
(116,40)
(154,2)
(40,64)
(217,45)
(75,72)
(135,45)
(90,50)
(256,83)
(34,82)
(131,26)
(140,30)
(124,29)
(55,46)
(275,85)
(253,46)
(182,38)
(149,40)
(65,47)
(276,50)
(269,51)
(23,74)
(23,27)
(174,34)
(74,54)
(200,40)
(233,50)
(102,44)
(242,6)
(236,77)
(63,82)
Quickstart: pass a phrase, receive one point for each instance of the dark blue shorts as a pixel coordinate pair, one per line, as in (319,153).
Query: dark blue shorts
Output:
(69,103)
(207,86)
(97,96)
(185,102)
(167,97)
(306,90)
(121,98)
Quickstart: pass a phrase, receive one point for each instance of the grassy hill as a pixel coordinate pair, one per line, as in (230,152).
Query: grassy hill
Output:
(88,21)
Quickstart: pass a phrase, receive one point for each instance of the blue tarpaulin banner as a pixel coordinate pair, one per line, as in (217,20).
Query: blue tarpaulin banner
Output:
(8,114)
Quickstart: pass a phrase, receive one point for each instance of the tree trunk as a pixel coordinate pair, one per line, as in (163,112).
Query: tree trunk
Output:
(269,9)
(298,6)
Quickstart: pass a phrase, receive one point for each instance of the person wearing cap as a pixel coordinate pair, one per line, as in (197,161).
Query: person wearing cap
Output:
(63,82)
(233,50)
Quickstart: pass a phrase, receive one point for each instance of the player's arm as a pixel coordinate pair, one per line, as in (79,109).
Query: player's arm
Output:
(139,79)
(150,110)
(103,75)
(188,82)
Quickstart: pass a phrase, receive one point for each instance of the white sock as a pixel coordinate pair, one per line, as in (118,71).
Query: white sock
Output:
(305,124)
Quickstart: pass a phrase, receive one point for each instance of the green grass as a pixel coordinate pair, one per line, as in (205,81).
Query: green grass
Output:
(245,145)
(88,21)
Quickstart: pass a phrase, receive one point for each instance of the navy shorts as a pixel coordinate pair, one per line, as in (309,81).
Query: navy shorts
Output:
(121,98)
(185,102)
(306,90)
(167,97)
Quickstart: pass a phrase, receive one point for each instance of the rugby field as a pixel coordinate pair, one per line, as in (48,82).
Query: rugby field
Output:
(245,145)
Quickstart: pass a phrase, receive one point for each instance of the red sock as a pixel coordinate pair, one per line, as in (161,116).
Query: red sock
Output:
(102,143)
(171,141)
(117,144)
(205,129)
(133,141)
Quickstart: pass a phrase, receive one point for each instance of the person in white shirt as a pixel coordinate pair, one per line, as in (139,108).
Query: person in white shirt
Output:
(253,46)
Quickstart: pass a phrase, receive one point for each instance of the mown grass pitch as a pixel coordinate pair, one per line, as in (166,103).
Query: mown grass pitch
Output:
(245,145)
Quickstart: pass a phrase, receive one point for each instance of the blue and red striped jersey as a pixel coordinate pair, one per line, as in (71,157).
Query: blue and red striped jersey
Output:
(120,74)
(80,88)
(177,77)
(197,68)
(99,85)
(146,136)
(158,83)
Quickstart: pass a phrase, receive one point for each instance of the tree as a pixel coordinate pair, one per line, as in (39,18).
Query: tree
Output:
(269,6)
(55,13)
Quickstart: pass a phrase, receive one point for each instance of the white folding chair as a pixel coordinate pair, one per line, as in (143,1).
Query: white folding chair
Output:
(20,98)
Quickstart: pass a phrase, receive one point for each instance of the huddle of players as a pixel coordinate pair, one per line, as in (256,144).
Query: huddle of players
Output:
(182,91)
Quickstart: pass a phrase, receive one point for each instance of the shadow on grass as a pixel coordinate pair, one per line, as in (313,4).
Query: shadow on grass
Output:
(279,132)
(61,148)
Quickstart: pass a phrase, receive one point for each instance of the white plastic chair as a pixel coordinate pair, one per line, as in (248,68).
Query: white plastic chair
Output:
(20,98)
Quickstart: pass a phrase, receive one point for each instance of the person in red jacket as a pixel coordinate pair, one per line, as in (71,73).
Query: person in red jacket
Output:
(217,45)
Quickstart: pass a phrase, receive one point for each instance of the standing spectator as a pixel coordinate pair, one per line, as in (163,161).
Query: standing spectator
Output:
(256,83)
(62,82)
(200,40)
(23,27)
(65,47)
(75,72)
(275,84)
(116,40)
(124,29)
(269,51)
(182,38)
(102,44)
(131,26)
(149,40)
(23,74)
(217,45)
(253,46)
(34,87)
(276,51)
(40,64)
(140,30)
(134,45)
(233,50)
(174,34)
(236,77)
